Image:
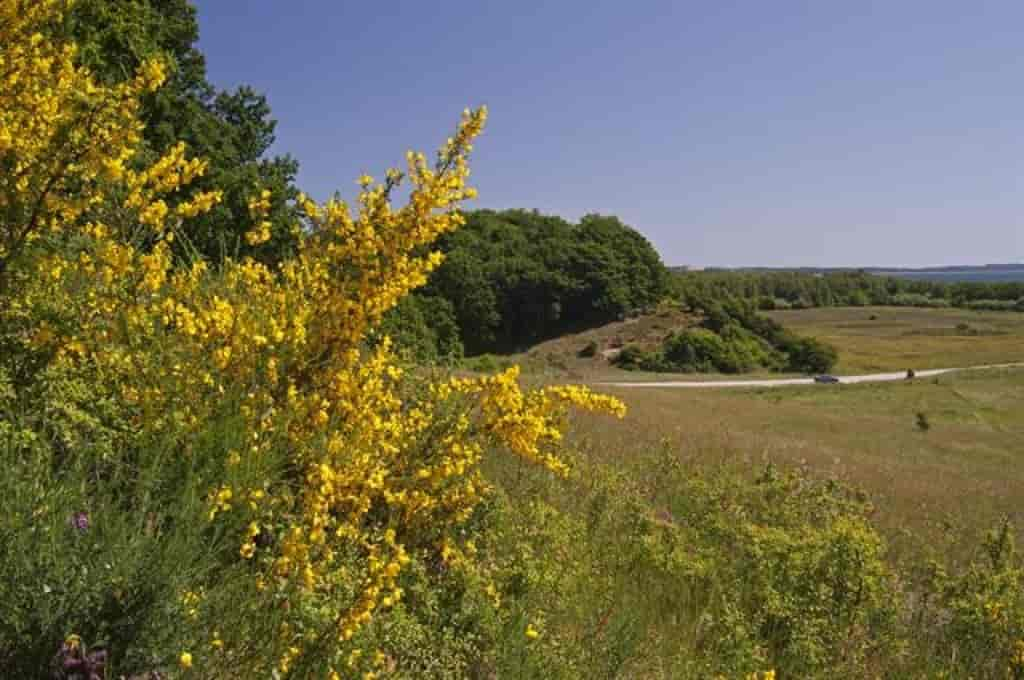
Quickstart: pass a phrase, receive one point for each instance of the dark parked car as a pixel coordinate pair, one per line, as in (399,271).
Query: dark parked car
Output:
(825,379)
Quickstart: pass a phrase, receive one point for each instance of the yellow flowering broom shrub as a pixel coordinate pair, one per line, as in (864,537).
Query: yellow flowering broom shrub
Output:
(236,407)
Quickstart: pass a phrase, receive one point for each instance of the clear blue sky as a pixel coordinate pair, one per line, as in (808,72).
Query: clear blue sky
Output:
(766,132)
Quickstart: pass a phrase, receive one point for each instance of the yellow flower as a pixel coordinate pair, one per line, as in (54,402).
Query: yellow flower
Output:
(217,643)
(283,349)
(1017,660)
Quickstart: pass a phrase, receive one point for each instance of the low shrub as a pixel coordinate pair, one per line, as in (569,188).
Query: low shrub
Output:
(917,300)
(733,338)
(994,305)
(810,355)
(971,624)
(634,358)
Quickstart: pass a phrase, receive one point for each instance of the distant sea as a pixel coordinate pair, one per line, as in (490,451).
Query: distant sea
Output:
(953,275)
(991,273)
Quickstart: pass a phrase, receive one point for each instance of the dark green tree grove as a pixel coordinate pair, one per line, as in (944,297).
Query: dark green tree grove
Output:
(515,277)
(232,130)
(801,289)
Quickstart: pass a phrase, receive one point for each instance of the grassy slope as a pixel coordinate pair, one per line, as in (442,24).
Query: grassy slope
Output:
(934,492)
(965,472)
(897,339)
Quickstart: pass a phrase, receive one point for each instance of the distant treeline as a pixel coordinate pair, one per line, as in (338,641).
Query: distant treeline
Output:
(797,290)
(514,277)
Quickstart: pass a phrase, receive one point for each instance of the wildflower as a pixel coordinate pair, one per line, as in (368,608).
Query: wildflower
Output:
(1017,660)
(74,659)
(79,521)
(292,339)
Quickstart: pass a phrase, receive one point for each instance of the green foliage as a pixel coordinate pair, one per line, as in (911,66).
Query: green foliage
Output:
(487,363)
(658,568)
(802,290)
(733,338)
(972,623)
(446,627)
(424,328)
(633,358)
(810,355)
(733,350)
(802,570)
(664,570)
(233,131)
(647,567)
(917,300)
(103,532)
(516,277)
(996,305)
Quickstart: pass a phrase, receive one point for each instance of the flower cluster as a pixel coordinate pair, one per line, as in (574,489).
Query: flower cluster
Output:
(359,468)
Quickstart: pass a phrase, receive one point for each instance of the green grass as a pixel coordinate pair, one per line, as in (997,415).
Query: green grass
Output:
(965,472)
(692,462)
(681,539)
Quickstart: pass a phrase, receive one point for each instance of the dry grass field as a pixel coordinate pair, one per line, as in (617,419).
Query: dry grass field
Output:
(872,339)
(965,472)
(939,460)
(958,478)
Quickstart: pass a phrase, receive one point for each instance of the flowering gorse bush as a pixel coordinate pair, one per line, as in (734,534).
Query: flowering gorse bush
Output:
(221,470)
(314,467)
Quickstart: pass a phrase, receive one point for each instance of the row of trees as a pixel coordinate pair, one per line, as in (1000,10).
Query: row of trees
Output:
(511,278)
(793,289)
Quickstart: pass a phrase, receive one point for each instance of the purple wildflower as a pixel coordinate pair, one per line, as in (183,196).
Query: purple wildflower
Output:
(80,521)
(75,663)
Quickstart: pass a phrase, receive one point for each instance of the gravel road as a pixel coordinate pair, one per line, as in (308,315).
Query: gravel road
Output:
(782,382)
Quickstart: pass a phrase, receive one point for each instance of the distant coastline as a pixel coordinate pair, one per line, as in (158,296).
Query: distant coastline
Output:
(953,275)
(947,273)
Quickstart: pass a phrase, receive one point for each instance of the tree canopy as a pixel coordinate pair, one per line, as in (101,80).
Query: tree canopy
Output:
(515,277)
(231,130)
(799,289)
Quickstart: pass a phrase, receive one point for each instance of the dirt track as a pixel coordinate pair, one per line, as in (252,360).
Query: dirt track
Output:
(783,382)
